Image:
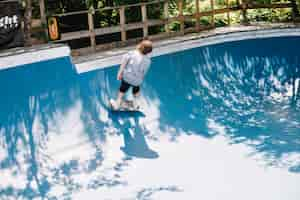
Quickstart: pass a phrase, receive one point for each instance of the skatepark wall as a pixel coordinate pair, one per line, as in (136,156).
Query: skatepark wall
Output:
(21,57)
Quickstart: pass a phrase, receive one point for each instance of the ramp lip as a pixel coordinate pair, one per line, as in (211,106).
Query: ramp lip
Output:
(23,56)
(222,35)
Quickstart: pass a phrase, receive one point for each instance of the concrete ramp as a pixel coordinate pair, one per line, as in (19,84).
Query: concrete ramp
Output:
(217,122)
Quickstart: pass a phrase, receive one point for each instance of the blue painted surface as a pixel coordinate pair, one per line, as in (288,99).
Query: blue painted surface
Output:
(250,87)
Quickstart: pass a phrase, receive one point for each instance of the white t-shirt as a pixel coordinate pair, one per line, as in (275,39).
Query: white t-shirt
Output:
(136,67)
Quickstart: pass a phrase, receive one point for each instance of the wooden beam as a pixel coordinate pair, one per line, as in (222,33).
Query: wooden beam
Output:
(244,12)
(43,17)
(92,29)
(107,30)
(74,35)
(132,26)
(197,16)
(181,17)
(27,22)
(122,23)
(212,4)
(228,12)
(145,20)
(166,16)
(156,22)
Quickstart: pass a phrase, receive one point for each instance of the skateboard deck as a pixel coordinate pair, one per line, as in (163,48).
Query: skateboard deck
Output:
(126,105)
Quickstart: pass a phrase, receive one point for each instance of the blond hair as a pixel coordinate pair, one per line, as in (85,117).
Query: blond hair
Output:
(145,46)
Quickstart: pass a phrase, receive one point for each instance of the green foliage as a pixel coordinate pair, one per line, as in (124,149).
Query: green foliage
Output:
(111,17)
(273,15)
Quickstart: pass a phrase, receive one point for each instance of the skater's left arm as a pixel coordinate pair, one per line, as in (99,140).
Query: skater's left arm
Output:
(122,67)
(120,73)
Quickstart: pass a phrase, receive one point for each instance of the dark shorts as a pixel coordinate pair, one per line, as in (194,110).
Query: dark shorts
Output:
(125,87)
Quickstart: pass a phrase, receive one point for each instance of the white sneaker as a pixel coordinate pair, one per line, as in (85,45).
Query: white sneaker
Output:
(114,104)
(135,103)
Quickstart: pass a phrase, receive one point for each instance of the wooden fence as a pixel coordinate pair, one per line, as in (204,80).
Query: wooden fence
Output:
(181,18)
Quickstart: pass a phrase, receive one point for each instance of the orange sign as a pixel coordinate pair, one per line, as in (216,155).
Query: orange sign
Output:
(53,28)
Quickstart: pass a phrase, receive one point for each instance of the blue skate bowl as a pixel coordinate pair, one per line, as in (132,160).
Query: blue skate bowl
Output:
(216,123)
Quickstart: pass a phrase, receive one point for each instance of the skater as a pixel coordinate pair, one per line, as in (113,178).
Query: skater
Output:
(133,69)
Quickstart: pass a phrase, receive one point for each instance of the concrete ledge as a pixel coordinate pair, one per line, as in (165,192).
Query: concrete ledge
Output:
(23,56)
(220,35)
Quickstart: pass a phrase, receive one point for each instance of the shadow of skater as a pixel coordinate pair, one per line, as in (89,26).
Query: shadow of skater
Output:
(135,143)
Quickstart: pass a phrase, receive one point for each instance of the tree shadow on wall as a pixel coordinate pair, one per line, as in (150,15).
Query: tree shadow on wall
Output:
(34,103)
(24,99)
(252,93)
(244,90)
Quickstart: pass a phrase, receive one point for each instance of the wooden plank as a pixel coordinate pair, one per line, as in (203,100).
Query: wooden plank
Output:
(244,12)
(132,26)
(144,19)
(181,17)
(156,22)
(122,23)
(74,35)
(197,16)
(139,25)
(107,30)
(43,17)
(221,11)
(91,30)
(166,16)
(228,12)
(212,4)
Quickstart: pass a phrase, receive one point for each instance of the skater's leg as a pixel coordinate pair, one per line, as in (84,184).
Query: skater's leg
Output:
(136,93)
(120,98)
(122,90)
